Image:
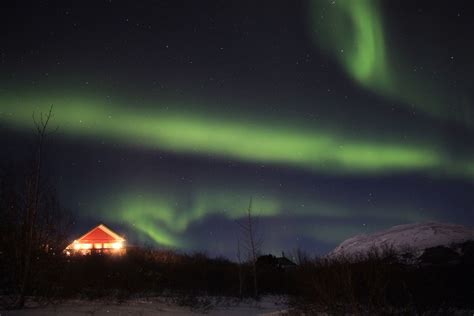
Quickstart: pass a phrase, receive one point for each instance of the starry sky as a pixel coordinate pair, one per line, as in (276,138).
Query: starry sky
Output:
(337,117)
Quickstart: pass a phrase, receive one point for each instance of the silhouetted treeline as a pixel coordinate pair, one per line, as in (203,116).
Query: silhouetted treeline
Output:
(155,272)
(376,284)
(385,283)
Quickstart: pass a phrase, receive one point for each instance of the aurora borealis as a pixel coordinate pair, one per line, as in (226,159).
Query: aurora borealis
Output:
(355,36)
(229,138)
(336,117)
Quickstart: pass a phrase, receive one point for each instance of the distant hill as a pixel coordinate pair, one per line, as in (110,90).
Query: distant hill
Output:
(415,239)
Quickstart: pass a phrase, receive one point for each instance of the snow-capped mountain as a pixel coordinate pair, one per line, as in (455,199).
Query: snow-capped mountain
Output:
(413,237)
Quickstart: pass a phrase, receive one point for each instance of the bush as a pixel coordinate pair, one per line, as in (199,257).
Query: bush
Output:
(381,283)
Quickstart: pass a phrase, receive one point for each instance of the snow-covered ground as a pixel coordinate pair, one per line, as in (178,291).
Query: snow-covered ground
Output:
(416,237)
(270,305)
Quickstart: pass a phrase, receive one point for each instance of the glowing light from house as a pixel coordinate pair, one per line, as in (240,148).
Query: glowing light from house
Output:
(98,240)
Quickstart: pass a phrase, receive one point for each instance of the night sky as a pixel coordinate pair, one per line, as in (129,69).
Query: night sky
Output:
(337,117)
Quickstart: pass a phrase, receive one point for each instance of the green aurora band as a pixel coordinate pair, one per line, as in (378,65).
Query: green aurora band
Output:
(163,218)
(353,33)
(256,142)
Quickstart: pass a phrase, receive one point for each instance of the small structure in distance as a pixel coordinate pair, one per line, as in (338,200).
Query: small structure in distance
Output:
(280,263)
(100,240)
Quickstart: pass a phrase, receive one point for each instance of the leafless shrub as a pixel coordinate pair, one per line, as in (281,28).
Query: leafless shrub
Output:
(33,225)
(251,242)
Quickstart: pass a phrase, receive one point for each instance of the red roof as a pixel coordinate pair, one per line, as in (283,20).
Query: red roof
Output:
(100,234)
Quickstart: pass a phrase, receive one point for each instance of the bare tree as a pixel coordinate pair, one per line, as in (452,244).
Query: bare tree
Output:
(32,201)
(251,243)
(239,261)
(35,221)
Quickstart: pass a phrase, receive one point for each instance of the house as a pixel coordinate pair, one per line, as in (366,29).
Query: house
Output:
(280,263)
(100,239)
(285,263)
